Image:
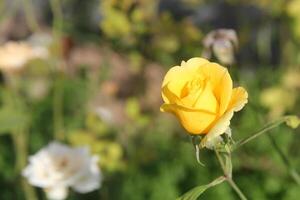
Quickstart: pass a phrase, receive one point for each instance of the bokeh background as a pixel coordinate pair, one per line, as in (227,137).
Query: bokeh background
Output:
(100,86)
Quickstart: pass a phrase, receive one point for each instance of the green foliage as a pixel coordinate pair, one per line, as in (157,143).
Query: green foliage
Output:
(11,120)
(145,154)
(135,26)
(194,193)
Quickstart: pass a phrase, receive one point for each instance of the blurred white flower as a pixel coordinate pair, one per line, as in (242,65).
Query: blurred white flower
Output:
(222,43)
(14,55)
(57,167)
(104,114)
(38,88)
(42,39)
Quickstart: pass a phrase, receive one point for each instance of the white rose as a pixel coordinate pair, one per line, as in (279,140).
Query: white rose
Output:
(14,55)
(57,167)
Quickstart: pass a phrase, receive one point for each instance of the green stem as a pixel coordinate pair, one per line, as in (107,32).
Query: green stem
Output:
(20,144)
(236,189)
(228,177)
(221,162)
(58,90)
(19,135)
(57,15)
(58,110)
(29,191)
(293,173)
(255,135)
(29,15)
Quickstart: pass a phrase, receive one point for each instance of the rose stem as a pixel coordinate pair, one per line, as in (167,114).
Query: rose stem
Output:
(30,16)
(228,177)
(293,173)
(58,90)
(263,130)
(58,110)
(20,138)
(20,142)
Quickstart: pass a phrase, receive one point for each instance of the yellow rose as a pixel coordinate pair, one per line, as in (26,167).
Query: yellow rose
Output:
(200,94)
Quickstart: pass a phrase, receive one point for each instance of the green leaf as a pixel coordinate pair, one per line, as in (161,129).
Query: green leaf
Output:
(194,193)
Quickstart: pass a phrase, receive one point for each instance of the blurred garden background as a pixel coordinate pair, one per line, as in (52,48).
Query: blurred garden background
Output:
(89,73)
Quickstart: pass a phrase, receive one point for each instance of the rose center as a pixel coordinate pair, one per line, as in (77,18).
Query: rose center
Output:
(195,85)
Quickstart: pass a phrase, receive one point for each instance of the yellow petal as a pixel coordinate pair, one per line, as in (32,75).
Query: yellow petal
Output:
(173,100)
(239,98)
(175,78)
(171,107)
(193,64)
(221,83)
(218,129)
(195,121)
(178,76)
(168,95)
(202,99)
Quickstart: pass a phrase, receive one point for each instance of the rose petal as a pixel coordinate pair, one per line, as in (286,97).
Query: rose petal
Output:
(57,193)
(237,102)
(221,83)
(170,107)
(218,129)
(90,180)
(193,64)
(181,75)
(175,86)
(202,99)
(173,100)
(194,121)
(238,99)
(169,96)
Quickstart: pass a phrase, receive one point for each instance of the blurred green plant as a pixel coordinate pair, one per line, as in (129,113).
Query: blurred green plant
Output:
(98,136)
(146,157)
(137,26)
